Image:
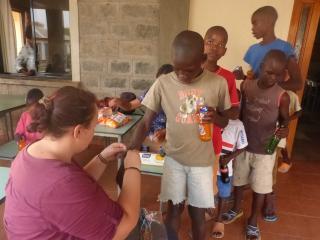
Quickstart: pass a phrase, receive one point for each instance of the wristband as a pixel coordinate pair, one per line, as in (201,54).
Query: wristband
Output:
(102,159)
(134,168)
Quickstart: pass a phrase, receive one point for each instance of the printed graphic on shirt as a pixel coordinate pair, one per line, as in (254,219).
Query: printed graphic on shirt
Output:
(256,106)
(190,100)
(243,138)
(227,148)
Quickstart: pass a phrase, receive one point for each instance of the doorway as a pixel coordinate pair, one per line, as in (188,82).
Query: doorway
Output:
(304,34)
(307,138)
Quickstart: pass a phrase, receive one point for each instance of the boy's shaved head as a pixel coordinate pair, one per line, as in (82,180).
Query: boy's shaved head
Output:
(268,12)
(277,56)
(188,45)
(188,55)
(217,30)
(273,68)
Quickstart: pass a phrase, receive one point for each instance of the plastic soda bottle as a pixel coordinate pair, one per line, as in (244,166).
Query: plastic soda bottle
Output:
(224,171)
(250,74)
(21,144)
(204,128)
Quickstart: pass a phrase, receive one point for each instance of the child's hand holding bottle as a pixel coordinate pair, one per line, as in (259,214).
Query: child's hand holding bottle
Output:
(21,141)
(159,135)
(238,73)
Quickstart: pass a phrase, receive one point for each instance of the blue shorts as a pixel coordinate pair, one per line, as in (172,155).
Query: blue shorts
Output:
(224,189)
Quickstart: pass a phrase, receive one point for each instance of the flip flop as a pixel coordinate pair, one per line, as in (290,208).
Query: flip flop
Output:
(217,230)
(252,231)
(231,216)
(270,218)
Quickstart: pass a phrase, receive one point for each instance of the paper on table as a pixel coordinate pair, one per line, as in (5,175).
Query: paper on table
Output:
(150,159)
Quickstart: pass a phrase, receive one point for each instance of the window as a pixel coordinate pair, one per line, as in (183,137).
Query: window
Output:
(17,20)
(49,23)
(1,60)
(51,30)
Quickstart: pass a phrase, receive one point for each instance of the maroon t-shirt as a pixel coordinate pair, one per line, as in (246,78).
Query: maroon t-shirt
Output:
(51,199)
(260,114)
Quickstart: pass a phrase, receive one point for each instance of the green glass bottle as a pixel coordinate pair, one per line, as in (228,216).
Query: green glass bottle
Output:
(272,144)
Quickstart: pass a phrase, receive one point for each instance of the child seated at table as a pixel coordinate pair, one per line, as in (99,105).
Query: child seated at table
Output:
(157,130)
(22,134)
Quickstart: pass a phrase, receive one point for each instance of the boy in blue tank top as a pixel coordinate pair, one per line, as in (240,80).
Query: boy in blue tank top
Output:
(263,22)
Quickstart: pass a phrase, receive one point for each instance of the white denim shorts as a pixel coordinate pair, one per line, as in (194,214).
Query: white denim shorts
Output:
(180,183)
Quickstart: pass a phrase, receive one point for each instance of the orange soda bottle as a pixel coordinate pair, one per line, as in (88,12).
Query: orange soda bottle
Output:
(204,128)
(21,143)
(250,75)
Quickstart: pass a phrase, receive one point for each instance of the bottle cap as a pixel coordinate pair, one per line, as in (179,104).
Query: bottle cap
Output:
(204,109)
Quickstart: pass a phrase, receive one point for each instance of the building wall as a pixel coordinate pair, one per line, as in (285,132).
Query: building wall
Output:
(235,16)
(174,15)
(118,45)
(122,43)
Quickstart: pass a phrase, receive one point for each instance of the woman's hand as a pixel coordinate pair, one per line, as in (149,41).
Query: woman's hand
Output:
(110,153)
(132,159)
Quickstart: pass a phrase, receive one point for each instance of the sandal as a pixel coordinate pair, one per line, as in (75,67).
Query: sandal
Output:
(284,167)
(218,230)
(252,233)
(231,216)
(270,218)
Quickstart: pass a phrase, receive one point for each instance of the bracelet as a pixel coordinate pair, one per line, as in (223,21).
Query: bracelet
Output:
(102,159)
(134,168)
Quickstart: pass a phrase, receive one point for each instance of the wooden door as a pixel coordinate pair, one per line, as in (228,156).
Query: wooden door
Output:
(302,32)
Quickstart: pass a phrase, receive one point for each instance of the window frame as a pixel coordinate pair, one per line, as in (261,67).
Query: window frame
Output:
(74,40)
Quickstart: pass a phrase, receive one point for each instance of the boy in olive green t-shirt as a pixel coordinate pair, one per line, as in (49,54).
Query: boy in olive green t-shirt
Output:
(188,165)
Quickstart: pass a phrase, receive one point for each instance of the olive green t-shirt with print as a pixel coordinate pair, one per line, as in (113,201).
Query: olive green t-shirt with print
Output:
(179,102)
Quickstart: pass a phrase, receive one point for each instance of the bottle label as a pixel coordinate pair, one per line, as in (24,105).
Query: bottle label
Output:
(202,131)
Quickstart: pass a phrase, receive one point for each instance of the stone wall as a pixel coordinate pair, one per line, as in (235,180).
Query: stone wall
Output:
(119,42)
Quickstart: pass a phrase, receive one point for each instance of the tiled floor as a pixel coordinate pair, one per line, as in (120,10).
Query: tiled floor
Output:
(298,193)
